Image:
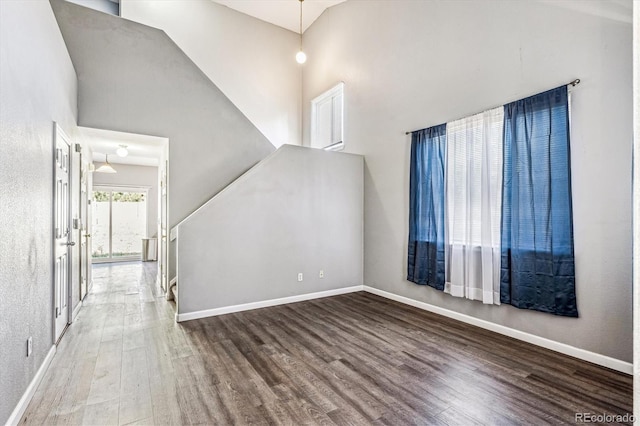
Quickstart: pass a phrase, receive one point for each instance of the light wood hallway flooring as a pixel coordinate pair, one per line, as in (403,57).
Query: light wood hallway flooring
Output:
(351,359)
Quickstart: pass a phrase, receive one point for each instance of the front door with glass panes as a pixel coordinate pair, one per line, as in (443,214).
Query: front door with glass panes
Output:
(119,223)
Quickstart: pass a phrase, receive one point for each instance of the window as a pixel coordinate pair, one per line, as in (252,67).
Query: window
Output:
(490,206)
(473,206)
(327,124)
(474,179)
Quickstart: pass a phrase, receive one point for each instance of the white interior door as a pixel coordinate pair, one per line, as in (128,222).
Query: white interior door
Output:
(62,232)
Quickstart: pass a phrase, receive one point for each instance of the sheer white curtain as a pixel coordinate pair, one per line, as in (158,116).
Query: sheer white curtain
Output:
(473,206)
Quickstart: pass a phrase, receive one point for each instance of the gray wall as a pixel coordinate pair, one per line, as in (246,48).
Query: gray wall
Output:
(300,210)
(130,175)
(155,89)
(38,86)
(250,60)
(412,64)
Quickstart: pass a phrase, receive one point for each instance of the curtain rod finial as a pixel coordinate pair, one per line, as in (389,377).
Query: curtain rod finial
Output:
(575,82)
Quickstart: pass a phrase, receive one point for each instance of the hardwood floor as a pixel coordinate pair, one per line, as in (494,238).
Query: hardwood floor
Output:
(351,359)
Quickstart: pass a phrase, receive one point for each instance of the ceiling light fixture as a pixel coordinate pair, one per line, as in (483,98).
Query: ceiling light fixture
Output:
(122,151)
(301,57)
(106,167)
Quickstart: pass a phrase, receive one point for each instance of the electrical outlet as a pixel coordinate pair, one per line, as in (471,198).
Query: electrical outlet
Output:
(29,345)
(300,276)
(321,274)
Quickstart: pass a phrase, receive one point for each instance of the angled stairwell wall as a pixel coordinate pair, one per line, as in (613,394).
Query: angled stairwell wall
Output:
(250,60)
(133,78)
(298,211)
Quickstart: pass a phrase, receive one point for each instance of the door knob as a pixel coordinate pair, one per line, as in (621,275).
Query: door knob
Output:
(71,243)
(87,235)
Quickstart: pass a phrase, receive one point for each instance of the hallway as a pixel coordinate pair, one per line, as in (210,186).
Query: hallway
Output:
(113,364)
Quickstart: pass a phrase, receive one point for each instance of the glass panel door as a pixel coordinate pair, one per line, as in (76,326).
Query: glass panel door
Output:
(101,224)
(119,218)
(128,224)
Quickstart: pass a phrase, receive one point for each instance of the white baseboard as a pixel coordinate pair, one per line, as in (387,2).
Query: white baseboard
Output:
(15,417)
(603,360)
(265,303)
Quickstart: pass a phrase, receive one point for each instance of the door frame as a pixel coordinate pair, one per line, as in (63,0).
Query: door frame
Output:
(163,234)
(59,132)
(84,231)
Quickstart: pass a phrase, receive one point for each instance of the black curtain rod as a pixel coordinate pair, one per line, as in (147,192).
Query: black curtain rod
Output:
(573,83)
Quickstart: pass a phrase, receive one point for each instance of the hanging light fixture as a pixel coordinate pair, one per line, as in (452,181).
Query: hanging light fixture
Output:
(301,57)
(106,167)
(122,151)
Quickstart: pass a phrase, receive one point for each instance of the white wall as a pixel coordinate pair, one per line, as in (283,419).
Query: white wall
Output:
(130,175)
(251,61)
(413,64)
(38,86)
(299,210)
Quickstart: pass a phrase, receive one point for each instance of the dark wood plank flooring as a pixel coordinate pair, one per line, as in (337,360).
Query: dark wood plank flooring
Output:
(350,359)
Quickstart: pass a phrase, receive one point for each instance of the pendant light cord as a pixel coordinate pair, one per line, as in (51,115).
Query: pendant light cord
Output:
(301,25)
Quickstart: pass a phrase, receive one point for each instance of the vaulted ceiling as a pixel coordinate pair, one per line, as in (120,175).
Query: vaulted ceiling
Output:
(286,13)
(283,13)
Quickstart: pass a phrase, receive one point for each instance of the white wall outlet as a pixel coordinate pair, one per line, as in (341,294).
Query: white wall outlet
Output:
(300,276)
(29,345)
(321,274)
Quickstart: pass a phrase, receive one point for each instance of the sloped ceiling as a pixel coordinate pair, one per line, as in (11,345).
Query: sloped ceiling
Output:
(286,13)
(283,13)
